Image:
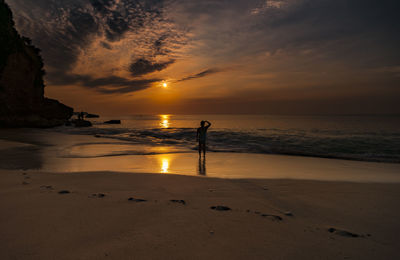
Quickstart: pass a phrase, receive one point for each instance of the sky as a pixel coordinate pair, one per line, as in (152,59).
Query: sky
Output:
(114,57)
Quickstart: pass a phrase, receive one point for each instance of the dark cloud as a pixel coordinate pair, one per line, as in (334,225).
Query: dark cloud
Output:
(102,6)
(201,74)
(363,31)
(142,67)
(159,44)
(63,29)
(106,45)
(107,85)
(116,26)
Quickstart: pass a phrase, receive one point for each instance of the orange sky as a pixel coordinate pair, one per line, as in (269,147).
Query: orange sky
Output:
(277,56)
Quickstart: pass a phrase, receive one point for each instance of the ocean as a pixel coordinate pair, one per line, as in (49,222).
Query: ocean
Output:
(365,138)
(327,148)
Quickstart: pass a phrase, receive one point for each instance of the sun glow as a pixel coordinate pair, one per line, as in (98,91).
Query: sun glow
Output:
(165,85)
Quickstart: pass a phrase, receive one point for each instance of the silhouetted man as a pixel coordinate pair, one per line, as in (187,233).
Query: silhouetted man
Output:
(81,116)
(202,136)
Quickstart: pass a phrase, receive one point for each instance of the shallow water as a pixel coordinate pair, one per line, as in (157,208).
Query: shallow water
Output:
(367,138)
(166,145)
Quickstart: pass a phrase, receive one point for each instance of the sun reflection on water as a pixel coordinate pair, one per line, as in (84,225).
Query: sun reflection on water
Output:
(164,121)
(164,165)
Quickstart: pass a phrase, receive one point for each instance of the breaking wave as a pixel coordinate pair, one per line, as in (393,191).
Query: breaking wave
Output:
(354,145)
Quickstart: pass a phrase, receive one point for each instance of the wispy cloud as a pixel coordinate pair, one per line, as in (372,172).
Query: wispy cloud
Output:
(142,66)
(269,4)
(200,74)
(107,85)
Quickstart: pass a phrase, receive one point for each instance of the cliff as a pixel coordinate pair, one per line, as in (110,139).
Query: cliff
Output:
(22,101)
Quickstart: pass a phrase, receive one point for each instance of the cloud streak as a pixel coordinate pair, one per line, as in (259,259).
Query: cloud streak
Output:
(106,85)
(202,74)
(142,67)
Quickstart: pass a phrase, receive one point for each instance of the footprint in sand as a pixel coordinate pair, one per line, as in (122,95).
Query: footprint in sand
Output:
(179,201)
(220,208)
(344,233)
(47,187)
(288,213)
(273,217)
(26,178)
(97,195)
(64,192)
(136,200)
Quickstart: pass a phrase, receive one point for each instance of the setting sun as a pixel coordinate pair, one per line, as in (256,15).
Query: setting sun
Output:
(164,85)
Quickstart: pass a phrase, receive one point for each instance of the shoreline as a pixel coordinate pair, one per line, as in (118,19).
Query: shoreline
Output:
(89,216)
(59,152)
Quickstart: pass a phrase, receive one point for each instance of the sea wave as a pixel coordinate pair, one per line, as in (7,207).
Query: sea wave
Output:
(354,145)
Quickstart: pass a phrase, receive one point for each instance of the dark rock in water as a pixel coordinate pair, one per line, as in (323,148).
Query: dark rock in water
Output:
(81,123)
(64,192)
(22,101)
(343,233)
(116,122)
(136,200)
(92,116)
(179,201)
(220,208)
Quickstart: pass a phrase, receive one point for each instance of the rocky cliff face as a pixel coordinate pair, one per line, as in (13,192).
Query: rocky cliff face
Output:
(22,101)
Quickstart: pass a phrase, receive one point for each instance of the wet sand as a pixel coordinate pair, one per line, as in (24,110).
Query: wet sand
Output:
(109,215)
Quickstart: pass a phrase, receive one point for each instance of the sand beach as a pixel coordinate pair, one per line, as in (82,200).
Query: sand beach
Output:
(110,215)
(83,197)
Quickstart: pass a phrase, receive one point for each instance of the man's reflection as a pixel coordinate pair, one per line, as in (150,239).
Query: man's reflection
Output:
(202,166)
